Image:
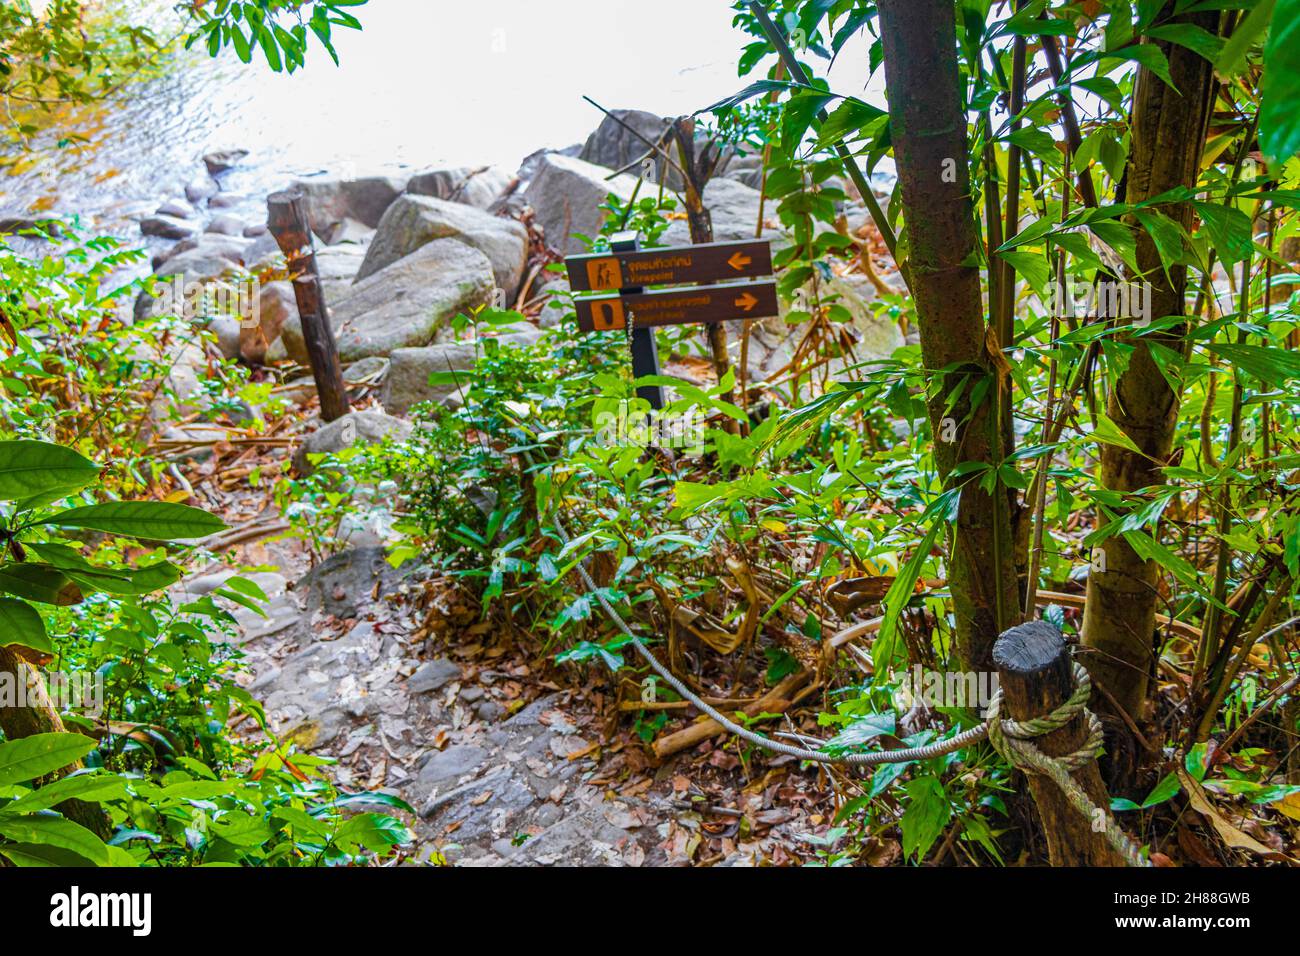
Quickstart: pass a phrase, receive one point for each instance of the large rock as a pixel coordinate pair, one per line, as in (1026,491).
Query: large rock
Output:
(408,385)
(733,207)
(566,194)
(330,200)
(407,304)
(368,427)
(473,187)
(621,139)
(168,227)
(412,221)
(276,306)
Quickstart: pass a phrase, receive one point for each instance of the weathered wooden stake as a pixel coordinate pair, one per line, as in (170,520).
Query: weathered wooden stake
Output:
(699,168)
(287,221)
(1036,676)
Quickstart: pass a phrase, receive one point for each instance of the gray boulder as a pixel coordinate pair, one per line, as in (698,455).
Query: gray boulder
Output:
(408,385)
(412,221)
(200,189)
(226,225)
(167,227)
(566,194)
(221,160)
(614,144)
(368,427)
(276,305)
(406,304)
(331,200)
(472,187)
(733,207)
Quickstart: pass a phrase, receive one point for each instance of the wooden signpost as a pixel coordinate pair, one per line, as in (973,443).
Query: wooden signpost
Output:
(626,269)
(709,262)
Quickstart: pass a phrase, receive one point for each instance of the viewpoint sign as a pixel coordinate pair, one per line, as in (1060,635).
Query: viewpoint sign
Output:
(707,262)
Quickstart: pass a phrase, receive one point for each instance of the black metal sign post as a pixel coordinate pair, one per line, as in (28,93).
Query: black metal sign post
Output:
(645,350)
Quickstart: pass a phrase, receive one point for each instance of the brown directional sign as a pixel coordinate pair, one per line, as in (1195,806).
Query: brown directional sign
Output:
(707,262)
(712,303)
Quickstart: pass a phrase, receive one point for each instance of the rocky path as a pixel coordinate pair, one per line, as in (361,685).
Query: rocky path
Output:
(399,681)
(500,769)
(397,676)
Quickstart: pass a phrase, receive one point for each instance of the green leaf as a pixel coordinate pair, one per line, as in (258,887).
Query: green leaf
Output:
(1109,433)
(31,468)
(886,645)
(1279,120)
(21,625)
(1232,59)
(31,757)
(1228,228)
(151,520)
(1197,39)
(1270,365)
(82,786)
(927,813)
(34,855)
(376,832)
(40,583)
(1166,789)
(55,831)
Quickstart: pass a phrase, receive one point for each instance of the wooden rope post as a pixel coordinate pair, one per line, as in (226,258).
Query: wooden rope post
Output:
(287,221)
(1035,674)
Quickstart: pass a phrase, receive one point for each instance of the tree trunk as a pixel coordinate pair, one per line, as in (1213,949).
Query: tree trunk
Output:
(40,717)
(1168,137)
(930,150)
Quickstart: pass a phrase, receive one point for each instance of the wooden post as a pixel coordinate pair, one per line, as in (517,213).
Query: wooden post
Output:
(287,221)
(698,170)
(1035,675)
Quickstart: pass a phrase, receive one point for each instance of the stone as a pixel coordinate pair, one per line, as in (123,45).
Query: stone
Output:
(255,230)
(406,304)
(450,765)
(176,209)
(330,200)
(413,221)
(218,161)
(200,189)
(408,385)
(472,187)
(227,201)
(368,426)
(226,225)
(566,194)
(276,305)
(556,304)
(349,231)
(343,582)
(614,145)
(433,676)
(733,207)
(227,331)
(167,227)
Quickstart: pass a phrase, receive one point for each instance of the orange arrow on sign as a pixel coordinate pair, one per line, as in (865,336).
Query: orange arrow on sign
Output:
(739,260)
(747,302)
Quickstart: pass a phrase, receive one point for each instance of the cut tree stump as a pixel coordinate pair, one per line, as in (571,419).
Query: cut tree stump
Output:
(1035,673)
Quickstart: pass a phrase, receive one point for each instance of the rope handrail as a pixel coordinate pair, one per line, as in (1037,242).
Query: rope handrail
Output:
(1010,738)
